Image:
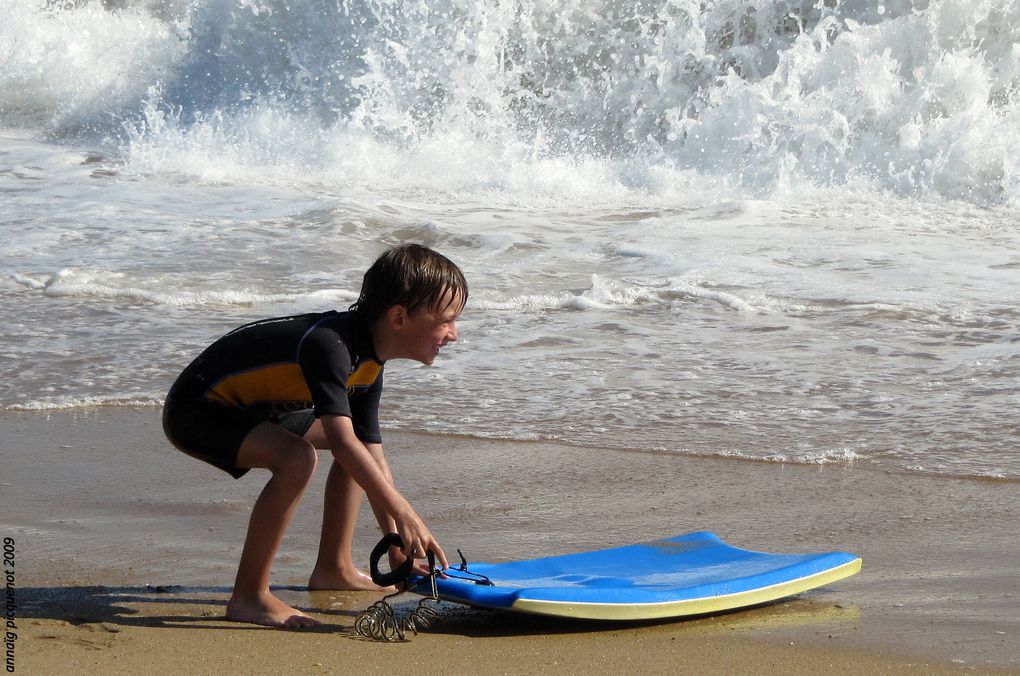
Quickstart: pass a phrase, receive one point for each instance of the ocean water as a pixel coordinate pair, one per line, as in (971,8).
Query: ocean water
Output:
(777,231)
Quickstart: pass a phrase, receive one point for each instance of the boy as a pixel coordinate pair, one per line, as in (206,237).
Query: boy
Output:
(271,392)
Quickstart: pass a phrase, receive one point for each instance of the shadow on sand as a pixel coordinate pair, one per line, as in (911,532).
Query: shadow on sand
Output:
(203,608)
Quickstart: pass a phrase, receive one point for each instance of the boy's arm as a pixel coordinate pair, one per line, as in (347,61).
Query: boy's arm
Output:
(386,522)
(372,473)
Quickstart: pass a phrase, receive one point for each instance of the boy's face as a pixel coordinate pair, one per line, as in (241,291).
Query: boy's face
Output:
(428,330)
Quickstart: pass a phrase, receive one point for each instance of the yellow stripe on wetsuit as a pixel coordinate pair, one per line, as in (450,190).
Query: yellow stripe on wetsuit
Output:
(280,382)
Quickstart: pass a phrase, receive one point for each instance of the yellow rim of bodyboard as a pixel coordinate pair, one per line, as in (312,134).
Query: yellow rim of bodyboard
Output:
(712,604)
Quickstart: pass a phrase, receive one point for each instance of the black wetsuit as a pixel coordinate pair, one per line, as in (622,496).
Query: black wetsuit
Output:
(287,370)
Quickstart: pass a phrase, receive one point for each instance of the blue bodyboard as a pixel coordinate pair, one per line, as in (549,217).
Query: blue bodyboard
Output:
(690,574)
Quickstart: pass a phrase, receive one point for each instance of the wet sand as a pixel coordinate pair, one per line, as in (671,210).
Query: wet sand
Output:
(125,550)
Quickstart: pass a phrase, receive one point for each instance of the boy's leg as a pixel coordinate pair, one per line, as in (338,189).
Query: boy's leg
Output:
(292,462)
(334,566)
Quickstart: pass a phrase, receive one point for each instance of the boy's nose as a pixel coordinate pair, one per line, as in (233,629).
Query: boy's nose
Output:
(452,334)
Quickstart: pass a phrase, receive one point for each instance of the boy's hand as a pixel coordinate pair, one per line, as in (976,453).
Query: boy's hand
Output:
(397,559)
(418,568)
(418,540)
(368,468)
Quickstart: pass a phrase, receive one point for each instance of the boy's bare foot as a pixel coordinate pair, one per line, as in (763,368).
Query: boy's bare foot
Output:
(268,610)
(354,580)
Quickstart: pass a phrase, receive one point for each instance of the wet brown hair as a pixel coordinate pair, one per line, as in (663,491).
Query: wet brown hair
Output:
(411,275)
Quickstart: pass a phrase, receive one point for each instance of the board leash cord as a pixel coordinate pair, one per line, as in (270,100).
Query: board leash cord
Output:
(379,621)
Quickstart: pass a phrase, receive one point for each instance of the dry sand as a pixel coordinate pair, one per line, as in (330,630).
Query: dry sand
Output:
(125,549)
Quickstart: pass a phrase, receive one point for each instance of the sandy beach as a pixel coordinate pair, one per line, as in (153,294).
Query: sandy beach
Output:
(124,551)
(738,266)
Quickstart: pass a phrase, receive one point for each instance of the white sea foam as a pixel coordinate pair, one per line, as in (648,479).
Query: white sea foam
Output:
(70,403)
(844,456)
(781,227)
(605,293)
(838,456)
(567,101)
(73,65)
(102,284)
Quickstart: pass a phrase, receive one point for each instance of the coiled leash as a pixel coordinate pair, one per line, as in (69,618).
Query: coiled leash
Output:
(379,621)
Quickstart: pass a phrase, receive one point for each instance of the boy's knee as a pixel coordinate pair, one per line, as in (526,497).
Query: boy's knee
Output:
(298,461)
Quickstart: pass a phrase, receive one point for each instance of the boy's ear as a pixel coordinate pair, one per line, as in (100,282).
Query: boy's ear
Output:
(396,315)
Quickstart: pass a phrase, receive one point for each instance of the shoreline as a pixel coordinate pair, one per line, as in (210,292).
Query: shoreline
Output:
(124,547)
(180,631)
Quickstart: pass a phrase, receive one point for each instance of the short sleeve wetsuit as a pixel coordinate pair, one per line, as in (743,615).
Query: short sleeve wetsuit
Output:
(287,370)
